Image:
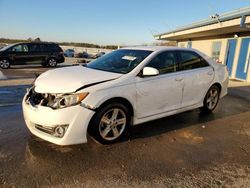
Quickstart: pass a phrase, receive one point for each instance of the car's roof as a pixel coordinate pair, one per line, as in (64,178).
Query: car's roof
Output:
(34,42)
(156,48)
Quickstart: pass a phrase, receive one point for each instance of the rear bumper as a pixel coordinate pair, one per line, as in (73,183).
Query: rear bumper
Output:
(60,59)
(224,87)
(76,118)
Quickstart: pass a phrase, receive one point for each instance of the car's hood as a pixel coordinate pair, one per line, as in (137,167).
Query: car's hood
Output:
(69,79)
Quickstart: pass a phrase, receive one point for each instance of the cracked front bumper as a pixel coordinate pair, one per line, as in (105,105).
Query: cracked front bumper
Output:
(76,117)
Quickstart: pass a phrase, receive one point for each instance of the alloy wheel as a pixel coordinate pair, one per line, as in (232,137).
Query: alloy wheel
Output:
(112,124)
(212,98)
(4,63)
(52,62)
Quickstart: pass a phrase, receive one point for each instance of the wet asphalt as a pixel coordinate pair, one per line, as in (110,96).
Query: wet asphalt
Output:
(190,149)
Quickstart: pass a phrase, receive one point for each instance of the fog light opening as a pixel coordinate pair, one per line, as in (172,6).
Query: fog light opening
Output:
(60,131)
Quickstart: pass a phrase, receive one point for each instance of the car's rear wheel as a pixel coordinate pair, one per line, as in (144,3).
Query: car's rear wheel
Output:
(110,123)
(211,99)
(52,62)
(4,63)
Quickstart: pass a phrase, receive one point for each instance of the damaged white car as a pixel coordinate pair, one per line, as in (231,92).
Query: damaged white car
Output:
(127,87)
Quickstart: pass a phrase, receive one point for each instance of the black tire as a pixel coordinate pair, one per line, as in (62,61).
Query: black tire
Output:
(52,62)
(4,63)
(211,101)
(97,128)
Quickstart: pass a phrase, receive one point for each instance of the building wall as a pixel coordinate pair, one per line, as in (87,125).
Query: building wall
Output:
(205,46)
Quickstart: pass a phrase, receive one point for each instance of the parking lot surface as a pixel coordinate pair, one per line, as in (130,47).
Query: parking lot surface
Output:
(190,149)
(32,70)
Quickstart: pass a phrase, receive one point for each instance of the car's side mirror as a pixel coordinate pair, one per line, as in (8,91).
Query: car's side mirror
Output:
(150,71)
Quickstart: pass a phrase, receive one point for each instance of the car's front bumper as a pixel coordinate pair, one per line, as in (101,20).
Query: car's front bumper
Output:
(77,119)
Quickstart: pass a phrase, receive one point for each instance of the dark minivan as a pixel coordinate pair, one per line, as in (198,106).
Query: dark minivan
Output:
(48,54)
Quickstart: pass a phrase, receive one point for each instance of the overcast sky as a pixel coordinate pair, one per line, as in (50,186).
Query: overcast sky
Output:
(104,21)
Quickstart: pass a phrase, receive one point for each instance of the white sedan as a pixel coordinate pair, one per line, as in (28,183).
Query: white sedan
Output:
(127,87)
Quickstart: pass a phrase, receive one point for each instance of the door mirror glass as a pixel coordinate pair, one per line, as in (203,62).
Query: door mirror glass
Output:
(150,71)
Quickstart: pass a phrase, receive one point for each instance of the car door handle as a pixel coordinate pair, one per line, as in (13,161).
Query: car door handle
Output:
(178,79)
(210,73)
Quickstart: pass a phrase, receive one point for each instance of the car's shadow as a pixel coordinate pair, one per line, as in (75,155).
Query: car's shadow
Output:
(228,106)
(171,123)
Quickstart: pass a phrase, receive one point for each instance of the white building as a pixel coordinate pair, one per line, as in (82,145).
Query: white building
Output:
(224,37)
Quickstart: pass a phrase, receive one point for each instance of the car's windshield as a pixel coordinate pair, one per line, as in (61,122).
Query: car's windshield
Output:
(119,61)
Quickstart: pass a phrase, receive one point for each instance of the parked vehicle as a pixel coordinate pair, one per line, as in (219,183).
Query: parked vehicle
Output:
(48,54)
(69,53)
(126,87)
(99,54)
(82,55)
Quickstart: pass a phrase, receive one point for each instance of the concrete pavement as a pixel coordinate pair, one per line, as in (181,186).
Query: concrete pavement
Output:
(185,150)
(190,149)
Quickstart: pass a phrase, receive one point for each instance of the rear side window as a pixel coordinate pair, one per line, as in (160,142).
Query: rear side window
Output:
(191,60)
(37,47)
(34,48)
(43,47)
(54,47)
(165,62)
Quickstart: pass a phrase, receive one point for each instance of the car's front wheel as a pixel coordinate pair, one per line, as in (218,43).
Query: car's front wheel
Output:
(110,123)
(4,63)
(52,62)
(211,99)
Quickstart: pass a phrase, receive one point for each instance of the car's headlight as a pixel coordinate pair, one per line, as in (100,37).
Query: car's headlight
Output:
(63,101)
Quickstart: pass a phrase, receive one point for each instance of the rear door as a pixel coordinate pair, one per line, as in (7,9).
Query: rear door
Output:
(198,75)
(35,54)
(44,52)
(161,93)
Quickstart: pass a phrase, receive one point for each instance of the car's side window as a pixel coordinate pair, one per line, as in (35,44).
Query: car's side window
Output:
(34,48)
(20,48)
(191,60)
(165,62)
(43,48)
(53,47)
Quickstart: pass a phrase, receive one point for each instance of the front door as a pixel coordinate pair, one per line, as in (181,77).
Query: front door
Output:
(19,54)
(243,63)
(161,93)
